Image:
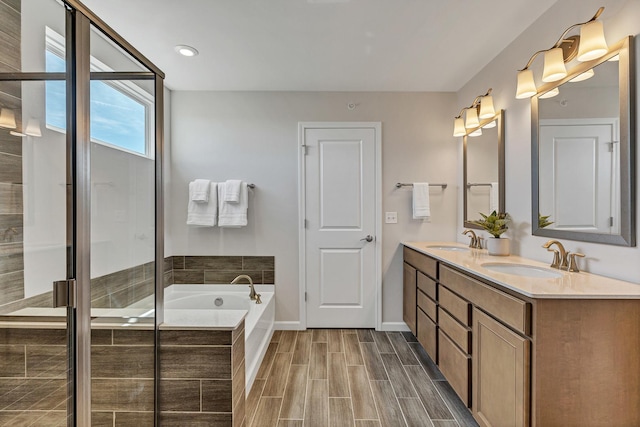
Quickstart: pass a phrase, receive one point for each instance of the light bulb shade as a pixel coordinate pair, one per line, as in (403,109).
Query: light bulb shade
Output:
(7,118)
(526,85)
(458,127)
(592,42)
(476,132)
(584,76)
(490,125)
(486,107)
(553,92)
(554,68)
(33,128)
(472,118)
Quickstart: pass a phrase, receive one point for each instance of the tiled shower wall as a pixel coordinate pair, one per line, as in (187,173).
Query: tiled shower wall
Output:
(11,218)
(219,269)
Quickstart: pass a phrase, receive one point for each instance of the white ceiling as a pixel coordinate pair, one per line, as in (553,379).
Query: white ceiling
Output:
(320,45)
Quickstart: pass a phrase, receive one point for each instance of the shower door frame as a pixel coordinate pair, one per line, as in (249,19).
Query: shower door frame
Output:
(78,76)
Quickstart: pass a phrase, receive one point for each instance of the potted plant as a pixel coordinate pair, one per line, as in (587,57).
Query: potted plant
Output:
(543,220)
(495,224)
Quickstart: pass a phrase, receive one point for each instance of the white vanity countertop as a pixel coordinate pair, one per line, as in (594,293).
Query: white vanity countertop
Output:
(580,285)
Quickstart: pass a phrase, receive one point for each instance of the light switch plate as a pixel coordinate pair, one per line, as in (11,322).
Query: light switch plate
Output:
(391,218)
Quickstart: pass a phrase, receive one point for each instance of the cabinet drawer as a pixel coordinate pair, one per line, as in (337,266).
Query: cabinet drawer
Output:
(427,285)
(427,305)
(427,334)
(511,310)
(455,305)
(421,262)
(460,334)
(455,366)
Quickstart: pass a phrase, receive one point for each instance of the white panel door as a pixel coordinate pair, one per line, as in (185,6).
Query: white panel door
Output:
(578,172)
(340,213)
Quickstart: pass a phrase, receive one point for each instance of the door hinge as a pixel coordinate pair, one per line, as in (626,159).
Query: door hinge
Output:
(306,223)
(305,297)
(64,293)
(610,221)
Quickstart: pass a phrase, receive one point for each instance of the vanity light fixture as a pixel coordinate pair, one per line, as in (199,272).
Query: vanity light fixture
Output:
(185,50)
(490,125)
(589,45)
(584,76)
(7,118)
(550,94)
(480,109)
(476,132)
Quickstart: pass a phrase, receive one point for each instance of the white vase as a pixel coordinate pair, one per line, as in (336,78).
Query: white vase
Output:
(498,246)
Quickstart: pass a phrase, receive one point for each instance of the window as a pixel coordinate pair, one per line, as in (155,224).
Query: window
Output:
(121,112)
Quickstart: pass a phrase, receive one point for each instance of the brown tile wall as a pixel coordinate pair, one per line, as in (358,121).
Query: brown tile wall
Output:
(33,377)
(202,377)
(221,269)
(11,217)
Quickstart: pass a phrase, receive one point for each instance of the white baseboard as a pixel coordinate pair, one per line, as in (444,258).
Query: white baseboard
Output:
(394,326)
(287,326)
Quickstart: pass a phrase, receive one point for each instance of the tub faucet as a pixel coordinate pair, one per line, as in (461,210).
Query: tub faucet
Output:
(253,295)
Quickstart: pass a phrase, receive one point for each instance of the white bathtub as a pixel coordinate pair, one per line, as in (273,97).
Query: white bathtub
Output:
(258,323)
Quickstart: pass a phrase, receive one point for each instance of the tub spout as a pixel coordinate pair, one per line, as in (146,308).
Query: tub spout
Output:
(253,295)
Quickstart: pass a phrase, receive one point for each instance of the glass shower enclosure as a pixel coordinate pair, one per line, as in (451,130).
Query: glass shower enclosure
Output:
(81,225)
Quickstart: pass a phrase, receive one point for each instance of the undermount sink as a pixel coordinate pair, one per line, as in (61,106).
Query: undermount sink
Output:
(522,270)
(448,248)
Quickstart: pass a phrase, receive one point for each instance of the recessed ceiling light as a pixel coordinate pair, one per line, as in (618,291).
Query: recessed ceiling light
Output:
(185,50)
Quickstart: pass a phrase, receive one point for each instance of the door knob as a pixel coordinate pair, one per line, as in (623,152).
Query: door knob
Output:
(369,238)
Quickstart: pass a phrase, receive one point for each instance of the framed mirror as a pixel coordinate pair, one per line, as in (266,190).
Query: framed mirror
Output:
(583,152)
(483,169)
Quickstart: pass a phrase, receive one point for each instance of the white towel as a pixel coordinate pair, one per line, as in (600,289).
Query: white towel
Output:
(200,192)
(233,215)
(203,213)
(421,209)
(494,198)
(232,190)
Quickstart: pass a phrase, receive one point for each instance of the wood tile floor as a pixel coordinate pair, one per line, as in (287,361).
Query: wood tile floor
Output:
(351,377)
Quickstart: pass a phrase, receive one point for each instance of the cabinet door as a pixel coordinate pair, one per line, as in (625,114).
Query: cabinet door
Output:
(500,374)
(409,297)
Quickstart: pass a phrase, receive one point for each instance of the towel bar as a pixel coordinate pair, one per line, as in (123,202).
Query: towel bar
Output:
(403,184)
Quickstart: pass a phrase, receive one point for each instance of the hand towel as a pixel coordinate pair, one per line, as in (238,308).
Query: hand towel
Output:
(232,190)
(233,215)
(200,192)
(421,209)
(203,214)
(494,198)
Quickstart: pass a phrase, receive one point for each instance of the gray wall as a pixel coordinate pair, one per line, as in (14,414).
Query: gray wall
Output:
(253,136)
(620,19)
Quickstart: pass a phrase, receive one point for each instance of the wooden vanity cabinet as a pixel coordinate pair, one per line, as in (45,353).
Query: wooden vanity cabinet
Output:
(519,361)
(420,299)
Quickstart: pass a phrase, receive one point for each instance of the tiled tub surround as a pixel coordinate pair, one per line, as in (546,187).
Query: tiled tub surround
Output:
(193,306)
(202,377)
(221,269)
(115,290)
(33,375)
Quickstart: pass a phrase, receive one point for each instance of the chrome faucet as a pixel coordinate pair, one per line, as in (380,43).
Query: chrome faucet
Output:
(253,295)
(474,243)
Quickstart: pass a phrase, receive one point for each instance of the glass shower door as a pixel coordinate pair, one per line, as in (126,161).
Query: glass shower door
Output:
(36,248)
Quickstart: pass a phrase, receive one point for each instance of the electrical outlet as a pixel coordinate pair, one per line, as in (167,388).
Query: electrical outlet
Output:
(391,218)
